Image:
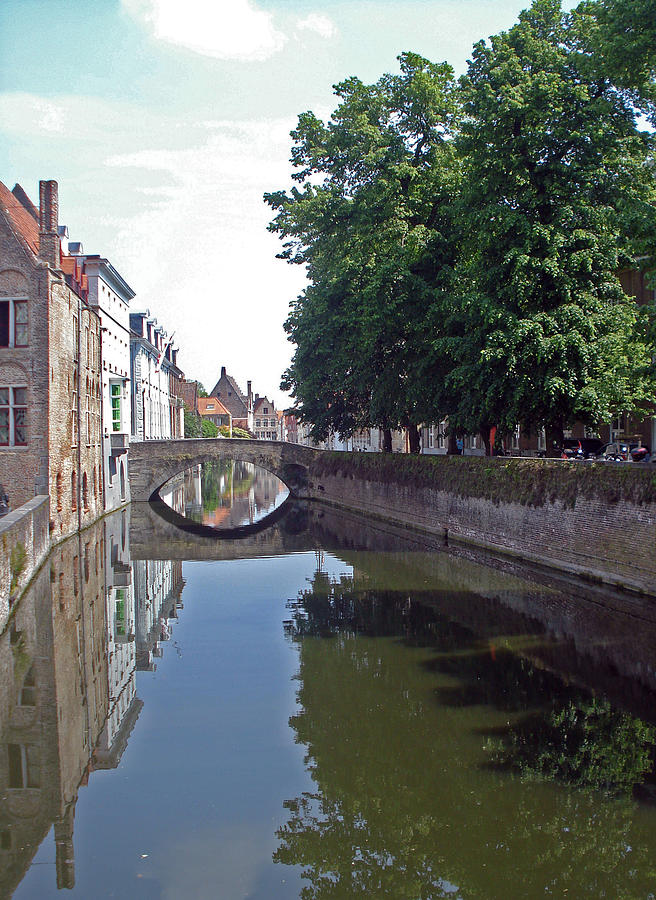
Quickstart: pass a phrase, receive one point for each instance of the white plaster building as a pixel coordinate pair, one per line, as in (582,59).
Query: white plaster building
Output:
(110,296)
(157,407)
(123,703)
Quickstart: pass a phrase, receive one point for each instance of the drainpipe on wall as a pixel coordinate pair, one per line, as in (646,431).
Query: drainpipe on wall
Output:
(102,413)
(78,413)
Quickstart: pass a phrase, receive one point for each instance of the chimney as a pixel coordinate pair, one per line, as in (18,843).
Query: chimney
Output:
(223,372)
(48,222)
(249,388)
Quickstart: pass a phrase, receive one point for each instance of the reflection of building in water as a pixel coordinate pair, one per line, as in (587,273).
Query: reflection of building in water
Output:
(268,492)
(226,493)
(67,697)
(124,706)
(54,704)
(173,493)
(157,589)
(193,493)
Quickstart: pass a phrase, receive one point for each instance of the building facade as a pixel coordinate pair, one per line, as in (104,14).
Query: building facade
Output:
(238,404)
(50,394)
(157,404)
(265,420)
(212,410)
(109,297)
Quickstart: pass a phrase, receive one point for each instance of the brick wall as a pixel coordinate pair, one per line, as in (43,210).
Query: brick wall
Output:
(26,527)
(75,451)
(610,541)
(23,470)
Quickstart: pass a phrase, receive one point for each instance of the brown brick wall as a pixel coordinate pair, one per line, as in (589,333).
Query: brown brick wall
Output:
(73,371)
(600,540)
(22,469)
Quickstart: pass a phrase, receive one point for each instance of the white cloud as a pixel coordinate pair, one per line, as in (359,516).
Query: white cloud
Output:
(201,257)
(29,114)
(318,23)
(224,29)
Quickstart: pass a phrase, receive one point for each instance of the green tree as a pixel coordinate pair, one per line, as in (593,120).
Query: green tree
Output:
(621,37)
(208,429)
(540,331)
(191,423)
(371,222)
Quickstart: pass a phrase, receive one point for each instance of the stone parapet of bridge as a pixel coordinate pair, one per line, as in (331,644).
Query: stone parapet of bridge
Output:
(153,463)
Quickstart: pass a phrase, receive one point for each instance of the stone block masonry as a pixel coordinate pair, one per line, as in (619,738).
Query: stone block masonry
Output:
(24,544)
(591,520)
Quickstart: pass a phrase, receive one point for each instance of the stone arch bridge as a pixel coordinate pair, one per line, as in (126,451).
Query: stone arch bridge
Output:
(153,463)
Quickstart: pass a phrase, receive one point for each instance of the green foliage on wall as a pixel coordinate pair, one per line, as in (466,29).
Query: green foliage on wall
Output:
(530,482)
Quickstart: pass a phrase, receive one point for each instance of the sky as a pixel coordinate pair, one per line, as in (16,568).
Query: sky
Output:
(165,121)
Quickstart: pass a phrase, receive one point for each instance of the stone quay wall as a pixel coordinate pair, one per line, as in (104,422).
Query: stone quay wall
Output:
(592,520)
(24,544)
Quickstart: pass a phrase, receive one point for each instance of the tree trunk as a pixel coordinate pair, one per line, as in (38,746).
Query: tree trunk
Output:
(413,439)
(485,437)
(555,439)
(387,440)
(452,449)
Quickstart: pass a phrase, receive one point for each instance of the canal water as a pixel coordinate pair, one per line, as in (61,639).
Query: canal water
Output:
(319,707)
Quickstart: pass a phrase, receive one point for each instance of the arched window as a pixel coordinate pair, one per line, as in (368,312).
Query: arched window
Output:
(85,492)
(58,490)
(73,490)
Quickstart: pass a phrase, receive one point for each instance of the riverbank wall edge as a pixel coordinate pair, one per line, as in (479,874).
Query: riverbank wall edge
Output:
(594,521)
(24,544)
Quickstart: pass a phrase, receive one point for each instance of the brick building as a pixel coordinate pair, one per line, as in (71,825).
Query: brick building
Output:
(214,411)
(265,424)
(50,394)
(238,404)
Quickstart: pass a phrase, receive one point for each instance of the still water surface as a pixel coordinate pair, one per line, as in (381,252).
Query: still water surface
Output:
(345,713)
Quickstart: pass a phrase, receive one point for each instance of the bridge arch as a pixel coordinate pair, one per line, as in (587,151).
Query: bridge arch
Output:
(153,463)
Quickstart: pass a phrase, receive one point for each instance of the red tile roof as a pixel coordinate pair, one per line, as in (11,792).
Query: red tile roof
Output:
(22,222)
(217,410)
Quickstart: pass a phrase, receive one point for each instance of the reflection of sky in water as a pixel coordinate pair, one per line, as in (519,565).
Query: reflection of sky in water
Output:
(225,493)
(193,809)
(368,726)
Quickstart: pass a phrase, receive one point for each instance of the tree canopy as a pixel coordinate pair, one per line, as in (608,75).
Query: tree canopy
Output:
(463,240)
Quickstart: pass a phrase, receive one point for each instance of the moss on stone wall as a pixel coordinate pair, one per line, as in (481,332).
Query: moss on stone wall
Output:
(530,482)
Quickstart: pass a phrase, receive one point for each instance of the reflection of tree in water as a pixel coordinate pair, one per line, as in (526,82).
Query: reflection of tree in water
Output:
(222,480)
(584,742)
(404,806)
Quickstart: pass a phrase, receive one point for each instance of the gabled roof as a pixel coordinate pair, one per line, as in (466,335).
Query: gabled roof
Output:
(211,406)
(233,384)
(23,220)
(260,401)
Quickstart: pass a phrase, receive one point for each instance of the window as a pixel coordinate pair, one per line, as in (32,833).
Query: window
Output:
(119,618)
(24,769)
(115,396)
(13,323)
(28,692)
(76,339)
(13,416)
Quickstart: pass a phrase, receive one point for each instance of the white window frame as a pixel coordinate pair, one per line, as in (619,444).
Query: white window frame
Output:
(12,301)
(11,406)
